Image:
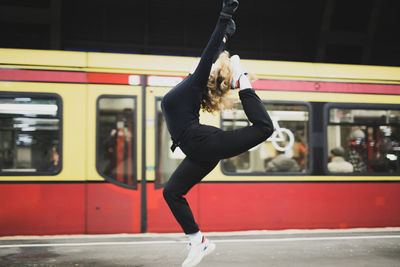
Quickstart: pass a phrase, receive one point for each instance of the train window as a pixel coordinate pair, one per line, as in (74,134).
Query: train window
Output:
(30,134)
(284,152)
(166,160)
(116,142)
(362,141)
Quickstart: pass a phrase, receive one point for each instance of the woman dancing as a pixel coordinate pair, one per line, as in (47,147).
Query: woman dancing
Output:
(205,145)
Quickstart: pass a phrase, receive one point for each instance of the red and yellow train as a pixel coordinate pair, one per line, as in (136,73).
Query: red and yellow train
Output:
(84,147)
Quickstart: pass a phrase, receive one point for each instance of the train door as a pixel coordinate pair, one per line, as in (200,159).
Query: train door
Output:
(114,158)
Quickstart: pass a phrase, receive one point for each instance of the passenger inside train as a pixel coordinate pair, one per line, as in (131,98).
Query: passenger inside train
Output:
(338,163)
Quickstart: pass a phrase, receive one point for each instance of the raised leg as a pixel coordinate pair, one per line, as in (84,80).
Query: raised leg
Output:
(207,142)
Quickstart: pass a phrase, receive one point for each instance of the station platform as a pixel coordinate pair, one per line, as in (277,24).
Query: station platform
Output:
(351,247)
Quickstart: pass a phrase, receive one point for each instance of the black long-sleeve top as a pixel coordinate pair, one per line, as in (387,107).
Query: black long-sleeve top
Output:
(181,105)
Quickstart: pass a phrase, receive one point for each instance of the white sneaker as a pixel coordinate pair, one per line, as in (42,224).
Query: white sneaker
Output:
(237,71)
(197,252)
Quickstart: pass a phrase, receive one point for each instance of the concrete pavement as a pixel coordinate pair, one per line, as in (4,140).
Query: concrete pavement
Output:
(354,247)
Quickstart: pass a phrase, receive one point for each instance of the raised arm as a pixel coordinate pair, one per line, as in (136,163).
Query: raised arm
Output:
(224,29)
(220,49)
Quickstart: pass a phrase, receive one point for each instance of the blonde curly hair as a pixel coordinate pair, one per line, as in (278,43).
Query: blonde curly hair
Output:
(218,86)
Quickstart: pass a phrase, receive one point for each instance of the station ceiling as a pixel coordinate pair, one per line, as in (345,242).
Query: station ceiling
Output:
(330,31)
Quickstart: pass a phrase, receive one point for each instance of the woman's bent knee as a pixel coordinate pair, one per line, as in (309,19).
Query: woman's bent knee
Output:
(169,194)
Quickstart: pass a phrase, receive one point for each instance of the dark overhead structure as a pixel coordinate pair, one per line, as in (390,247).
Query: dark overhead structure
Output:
(331,31)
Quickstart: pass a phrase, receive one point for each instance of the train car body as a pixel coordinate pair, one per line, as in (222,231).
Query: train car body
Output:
(84,148)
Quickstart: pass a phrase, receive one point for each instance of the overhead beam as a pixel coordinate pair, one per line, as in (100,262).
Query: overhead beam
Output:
(325,29)
(372,27)
(55,28)
(25,14)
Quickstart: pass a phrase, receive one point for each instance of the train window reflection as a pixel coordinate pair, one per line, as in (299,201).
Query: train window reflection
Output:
(116,149)
(364,141)
(285,151)
(364,116)
(166,160)
(30,134)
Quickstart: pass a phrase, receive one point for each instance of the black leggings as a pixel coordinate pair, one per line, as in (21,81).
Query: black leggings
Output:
(204,146)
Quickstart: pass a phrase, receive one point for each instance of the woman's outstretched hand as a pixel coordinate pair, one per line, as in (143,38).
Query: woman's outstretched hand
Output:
(229,7)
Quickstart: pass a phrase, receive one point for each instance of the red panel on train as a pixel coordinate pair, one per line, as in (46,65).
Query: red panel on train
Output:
(42,209)
(112,209)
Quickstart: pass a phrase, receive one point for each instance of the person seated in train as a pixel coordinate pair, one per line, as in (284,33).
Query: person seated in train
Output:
(51,164)
(338,163)
(379,161)
(356,151)
(300,151)
(282,163)
(229,165)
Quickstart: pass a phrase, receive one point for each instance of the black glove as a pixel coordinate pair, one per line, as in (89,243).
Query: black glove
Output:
(230,29)
(228,8)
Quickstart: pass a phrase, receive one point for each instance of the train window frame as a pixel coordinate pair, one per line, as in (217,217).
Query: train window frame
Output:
(157,185)
(135,139)
(59,116)
(326,115)
(310,152)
